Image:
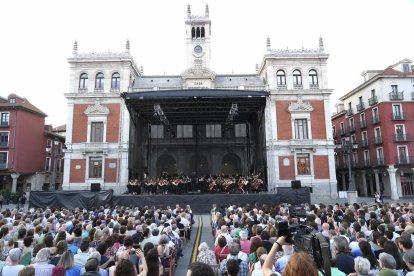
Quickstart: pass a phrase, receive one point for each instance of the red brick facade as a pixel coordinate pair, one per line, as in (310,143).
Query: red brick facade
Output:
(321,162)
(287,172)
(77,170)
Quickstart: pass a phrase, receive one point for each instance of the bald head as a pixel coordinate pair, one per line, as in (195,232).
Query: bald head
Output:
(223,229)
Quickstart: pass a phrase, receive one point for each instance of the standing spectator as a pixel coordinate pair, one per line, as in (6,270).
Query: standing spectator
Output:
(42,267)
(14,267)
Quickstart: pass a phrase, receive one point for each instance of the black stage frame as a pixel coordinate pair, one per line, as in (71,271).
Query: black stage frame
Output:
(200,203)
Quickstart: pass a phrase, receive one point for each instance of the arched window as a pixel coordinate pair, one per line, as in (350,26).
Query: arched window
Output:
(202,32)
(115,81)
(313,79)
(297,79)
(83,81)
(99,81)
(193,32)
(198,32)
(281,78)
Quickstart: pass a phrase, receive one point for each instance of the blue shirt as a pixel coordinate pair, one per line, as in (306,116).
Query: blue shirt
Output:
(73,248)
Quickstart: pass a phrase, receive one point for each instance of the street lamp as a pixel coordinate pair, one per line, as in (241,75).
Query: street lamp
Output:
(55,156)
(347,147)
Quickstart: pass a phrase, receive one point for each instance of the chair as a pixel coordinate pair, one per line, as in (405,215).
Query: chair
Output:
(168,265)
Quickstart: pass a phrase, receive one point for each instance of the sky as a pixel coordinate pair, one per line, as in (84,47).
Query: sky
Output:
(37,38)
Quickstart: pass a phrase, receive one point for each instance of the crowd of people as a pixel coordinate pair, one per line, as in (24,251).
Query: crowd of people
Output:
(363,239)
(103,241)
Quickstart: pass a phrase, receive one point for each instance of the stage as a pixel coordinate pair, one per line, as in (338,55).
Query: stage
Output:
(200,203)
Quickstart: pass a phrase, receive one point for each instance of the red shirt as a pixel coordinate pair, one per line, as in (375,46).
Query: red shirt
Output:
(223,252)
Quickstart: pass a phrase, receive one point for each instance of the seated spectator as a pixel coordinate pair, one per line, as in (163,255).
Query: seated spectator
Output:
(244,242)
(387,265)
(344,261)
(205,255)
(233,268)
(14,267)
(83,255)
(224,233)
(27,271)
(281,262)
(391,248)
(362,267)
(42,267)
(91,267)
(71,246)
(255,243)
(408,258)
(258,269)
(68,262)
(61,247)
(222,249)
(234,252)
(200,269)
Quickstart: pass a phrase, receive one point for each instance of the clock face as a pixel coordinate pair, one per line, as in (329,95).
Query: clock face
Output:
(198,49)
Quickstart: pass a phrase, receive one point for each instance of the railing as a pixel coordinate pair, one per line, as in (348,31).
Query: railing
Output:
(4,145)
(402,137)
(364,143)
(4,124)
(379,162)
(375,120)
(342,131)
(373,100)
(398,116)
(354,163)
(360,106)
(297,86)
(207,141)
(315,86)
(349,112)
(363,124)
(405,160)
(281,87)
(83,90)
(115,90)
(378,140)
(3,165)
(351,129)
(396,96)
(367,163)
(98,90)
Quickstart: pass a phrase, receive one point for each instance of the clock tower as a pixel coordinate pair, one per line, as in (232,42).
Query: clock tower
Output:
(198,31)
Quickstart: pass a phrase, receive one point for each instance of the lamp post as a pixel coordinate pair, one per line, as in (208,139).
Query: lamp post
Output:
(347,147)
(54,160)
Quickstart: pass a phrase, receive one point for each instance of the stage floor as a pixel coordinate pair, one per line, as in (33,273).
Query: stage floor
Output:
(202,202)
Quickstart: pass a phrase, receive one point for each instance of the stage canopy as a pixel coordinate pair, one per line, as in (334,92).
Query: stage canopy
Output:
(201,106)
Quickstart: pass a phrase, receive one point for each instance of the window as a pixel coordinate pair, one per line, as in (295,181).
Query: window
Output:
(95,167)
(380,156)
(375,115)
(406,68)
(364,138)
(157,131)
(366,157)
(399,130)
(115,82)
(333,131)
(360,100)
(373,93)
(351,124)
(353,138)
(184,131)
(402,155)
(47,164)
(397,112)
(58,164)
(4,118)
(213,131)
(377,132)
(297,78)
(362,121)
(394,88)
(4,139)
(301,129)
(303,163)
(97,130)
(99,82)
(3,160)
(240,130)
(12,100)
(281,78)
(342,128)
(83,81)
(313,77)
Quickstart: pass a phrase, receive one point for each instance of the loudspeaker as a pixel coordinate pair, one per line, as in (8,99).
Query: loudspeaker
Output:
(296,184)
(95,187)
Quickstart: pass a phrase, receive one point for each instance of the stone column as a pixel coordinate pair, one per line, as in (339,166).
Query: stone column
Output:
(371,184)
(364,183)
(377,184)
(393,182)
(344,182)
(15,176)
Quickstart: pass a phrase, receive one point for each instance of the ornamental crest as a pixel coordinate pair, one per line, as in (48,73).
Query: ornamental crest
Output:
(96,109)
(300,106)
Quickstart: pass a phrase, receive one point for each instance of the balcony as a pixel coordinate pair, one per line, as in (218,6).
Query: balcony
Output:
(379,162)
(367,163)
(360,106)
(396,96)
(342,131)
(350,112)
(83,90)
(354,164)
(4,124)
(281,87)
(373,100)
(351,129)
(297,86)
(363,124)
(98,90)
(402,137)
(4,145)
(378,140)
(3,165)
(375,120)
(364,143)
(313,86)
(398,116)
(405,160)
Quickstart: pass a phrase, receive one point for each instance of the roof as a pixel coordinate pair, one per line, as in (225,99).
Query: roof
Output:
(21,103)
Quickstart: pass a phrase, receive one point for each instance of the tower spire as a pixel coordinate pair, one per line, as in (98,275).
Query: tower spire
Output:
(207,13)
(321,44)
(188,11)
(127,46)
(75,47)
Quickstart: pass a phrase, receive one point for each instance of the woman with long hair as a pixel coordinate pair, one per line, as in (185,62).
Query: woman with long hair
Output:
(68,262)
(391,248)
(153,263)
(254,245)
(366,251)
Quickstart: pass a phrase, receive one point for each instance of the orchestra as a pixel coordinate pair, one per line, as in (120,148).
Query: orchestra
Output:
(181,184)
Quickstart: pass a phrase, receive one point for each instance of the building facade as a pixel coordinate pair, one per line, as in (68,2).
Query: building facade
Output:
(27,155)
(377,115)
(295,142)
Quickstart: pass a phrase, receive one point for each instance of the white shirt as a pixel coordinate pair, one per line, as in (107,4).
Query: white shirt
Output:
(12,270)
(228,237)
